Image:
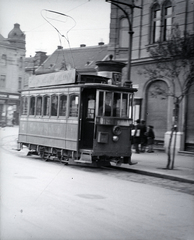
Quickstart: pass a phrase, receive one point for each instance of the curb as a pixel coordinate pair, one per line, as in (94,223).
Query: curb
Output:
(158,175)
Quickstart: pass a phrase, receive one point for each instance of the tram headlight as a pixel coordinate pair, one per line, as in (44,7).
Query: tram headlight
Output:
(116,130)
(115,138)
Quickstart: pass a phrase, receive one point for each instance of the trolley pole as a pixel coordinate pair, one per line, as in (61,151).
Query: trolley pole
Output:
(130,31)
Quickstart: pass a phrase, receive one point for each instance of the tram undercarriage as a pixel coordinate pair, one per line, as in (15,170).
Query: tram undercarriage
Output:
(84,157)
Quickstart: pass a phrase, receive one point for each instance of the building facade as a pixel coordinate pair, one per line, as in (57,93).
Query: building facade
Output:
(12,56)
(153,21)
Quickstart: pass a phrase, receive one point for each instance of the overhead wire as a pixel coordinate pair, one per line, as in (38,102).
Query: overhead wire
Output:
(59,33)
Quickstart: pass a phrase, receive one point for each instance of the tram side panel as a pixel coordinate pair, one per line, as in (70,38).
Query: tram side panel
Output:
(54,134)
(49,131)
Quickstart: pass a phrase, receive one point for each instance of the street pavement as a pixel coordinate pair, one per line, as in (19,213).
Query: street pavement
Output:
(152,164)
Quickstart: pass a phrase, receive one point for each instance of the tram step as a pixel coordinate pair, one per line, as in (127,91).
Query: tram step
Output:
(87,151)
(86,157)
(82,161)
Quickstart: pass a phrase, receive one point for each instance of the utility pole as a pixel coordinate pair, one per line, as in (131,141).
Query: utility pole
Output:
(130,31)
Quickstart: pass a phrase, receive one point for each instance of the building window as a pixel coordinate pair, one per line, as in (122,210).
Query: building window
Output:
(20,62)
(161,21)
(32,105)
(39,106)
(73,109)
(2,81)
(19,83)
(4,59)
(167,20)
(46,105)
(156,23)
(137,108)
(62,105)
(54,105)
(123,33)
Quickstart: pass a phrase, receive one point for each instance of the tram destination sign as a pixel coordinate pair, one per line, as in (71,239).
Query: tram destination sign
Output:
(50,79)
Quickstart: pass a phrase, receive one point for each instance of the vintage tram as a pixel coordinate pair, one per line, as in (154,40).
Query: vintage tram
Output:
(76,118)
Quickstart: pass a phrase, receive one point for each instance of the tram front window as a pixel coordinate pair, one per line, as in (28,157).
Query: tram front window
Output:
(113,104)
(105,103)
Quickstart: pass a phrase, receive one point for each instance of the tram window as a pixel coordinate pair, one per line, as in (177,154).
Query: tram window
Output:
(108,104)
(106,107)
(73,110)
(101,100)
(62,105)
(39,106)
(117,104)
(124,106)
(46,105)
(32,105)
(91,107)
(113,104)
(24,106)
(54,105)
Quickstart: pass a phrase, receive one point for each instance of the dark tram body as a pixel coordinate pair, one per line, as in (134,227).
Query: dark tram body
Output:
(76,118)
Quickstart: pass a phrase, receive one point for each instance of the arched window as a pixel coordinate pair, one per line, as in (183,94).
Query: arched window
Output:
(73,107)
(54,105)
(167,20)
(32,105)
(39,106)
(62,105)
(155,22)
(46,105)
(123,33)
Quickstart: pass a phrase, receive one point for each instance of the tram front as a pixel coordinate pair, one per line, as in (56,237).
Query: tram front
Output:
(113,118)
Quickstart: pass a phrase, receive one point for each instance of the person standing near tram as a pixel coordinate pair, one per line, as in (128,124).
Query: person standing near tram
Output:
(151,136)
(136,136)
(143,135)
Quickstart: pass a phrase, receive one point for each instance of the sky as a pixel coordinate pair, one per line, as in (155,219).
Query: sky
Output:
(75,22)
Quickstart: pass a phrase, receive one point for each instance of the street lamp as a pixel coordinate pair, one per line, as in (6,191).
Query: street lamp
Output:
(130,22)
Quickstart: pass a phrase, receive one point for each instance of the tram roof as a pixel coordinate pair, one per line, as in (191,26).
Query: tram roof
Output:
(71,78)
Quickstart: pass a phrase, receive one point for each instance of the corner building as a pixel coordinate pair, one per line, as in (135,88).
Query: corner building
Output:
(152,22)
(12,56)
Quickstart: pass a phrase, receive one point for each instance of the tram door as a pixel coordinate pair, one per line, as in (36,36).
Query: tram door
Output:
(88,115)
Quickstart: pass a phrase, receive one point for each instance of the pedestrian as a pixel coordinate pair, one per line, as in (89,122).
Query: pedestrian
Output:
(151,136)
(143,135)
(136,136)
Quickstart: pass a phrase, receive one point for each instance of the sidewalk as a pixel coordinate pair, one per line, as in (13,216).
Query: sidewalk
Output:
(152,164)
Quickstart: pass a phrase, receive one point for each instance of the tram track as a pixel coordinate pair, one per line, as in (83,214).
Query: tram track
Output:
(9,144)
